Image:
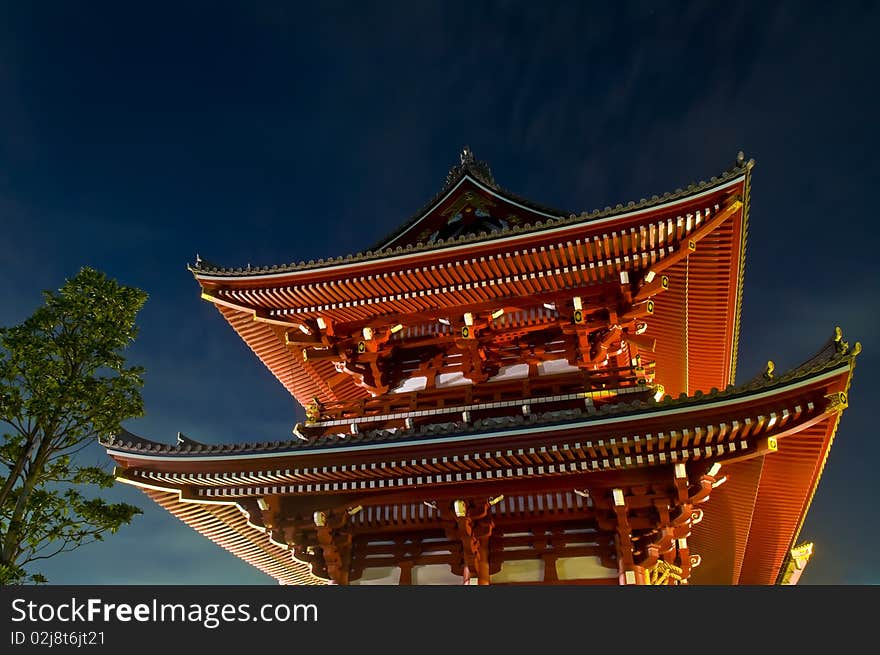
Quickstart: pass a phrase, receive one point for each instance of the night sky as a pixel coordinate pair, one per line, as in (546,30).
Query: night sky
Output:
(135,135)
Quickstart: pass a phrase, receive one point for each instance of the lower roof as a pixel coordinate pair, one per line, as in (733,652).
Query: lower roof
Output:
(750,525)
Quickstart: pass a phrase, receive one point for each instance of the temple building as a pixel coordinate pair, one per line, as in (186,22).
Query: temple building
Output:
(505,393)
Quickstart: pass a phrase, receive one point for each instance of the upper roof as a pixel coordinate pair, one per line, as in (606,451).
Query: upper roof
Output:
(472,176)
(470,256)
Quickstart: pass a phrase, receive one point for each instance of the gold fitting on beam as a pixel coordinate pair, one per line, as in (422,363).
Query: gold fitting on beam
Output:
(618,497)
(466,332)
(664,282)
(320,519)
(460,508)
(362,347)
(355,510)
(801,554)
(368,333)
(649,306)
(262,504)
(496,499)
(397,328)
(692,245)
(772,444)
(837,402)
(313,411)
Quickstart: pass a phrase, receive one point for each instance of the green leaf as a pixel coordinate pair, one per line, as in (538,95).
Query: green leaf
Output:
(64,381)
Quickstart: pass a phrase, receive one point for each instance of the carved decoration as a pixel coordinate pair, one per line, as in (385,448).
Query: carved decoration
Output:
(663,573)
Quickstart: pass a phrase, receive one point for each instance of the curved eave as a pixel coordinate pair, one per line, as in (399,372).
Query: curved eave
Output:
(823,448)
(369,261)
(226,524)
(754,520)
(741,271)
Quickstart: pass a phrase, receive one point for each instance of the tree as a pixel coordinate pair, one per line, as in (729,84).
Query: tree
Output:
(63,382)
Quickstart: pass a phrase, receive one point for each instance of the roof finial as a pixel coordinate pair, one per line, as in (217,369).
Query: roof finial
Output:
(740,158)
(198,260)
(842,346)
(470,164)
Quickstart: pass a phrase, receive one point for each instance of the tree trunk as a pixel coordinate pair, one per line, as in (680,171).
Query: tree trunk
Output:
(9,485)
(11,540)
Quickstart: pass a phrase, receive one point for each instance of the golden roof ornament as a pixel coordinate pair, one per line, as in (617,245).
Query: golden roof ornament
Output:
(313,411)
(837,402)
(842,346)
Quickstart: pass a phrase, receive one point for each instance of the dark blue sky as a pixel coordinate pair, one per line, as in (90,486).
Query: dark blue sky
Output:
(133,136)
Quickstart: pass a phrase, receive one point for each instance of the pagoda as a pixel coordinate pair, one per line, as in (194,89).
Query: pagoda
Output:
(505,393)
